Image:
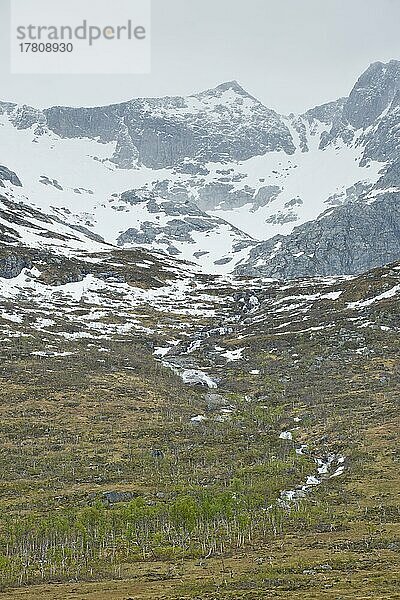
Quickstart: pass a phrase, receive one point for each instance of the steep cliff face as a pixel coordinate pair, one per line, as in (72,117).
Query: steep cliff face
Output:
(383,142)
(372,94)
(224,123)
(373,108)
(348,240)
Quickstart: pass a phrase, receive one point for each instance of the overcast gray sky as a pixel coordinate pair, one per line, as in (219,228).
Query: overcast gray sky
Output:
(291,54)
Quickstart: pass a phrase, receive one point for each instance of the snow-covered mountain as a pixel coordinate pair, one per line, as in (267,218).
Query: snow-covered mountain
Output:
(208,178)
(162,419)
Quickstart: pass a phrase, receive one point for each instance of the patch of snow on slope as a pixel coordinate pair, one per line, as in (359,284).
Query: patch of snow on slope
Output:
(311,176)
(384,296)
(232,355)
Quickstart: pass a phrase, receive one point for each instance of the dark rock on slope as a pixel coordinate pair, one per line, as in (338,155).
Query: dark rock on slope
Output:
(346,240)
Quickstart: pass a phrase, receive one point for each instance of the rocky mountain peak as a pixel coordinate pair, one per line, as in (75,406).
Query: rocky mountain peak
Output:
(326,113)
(233,86)
(216,176)
(372,94)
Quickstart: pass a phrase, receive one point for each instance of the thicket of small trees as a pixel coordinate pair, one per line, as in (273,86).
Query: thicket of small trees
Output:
(96,540)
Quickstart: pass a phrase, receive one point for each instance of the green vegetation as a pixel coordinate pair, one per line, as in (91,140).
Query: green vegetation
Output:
(107,482)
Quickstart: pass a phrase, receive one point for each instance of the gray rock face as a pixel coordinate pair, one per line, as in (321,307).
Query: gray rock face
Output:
(126,154)
(134,197)
(326,113)
(7,175)
(383,143)
(265,195)
(221,124)
(6,107)
(351,194)
(391,176)
(46,181)
(345,240)
(373,101)
(223,196)
(25,116)
(187,220)
(372,94)
(12,265)
(175,230)
(341,130)
(219,194)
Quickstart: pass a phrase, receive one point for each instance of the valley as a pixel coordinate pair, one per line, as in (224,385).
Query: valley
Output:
(199,324)
(115,469)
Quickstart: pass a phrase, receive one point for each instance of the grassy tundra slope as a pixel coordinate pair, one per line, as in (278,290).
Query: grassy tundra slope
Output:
(165,434)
